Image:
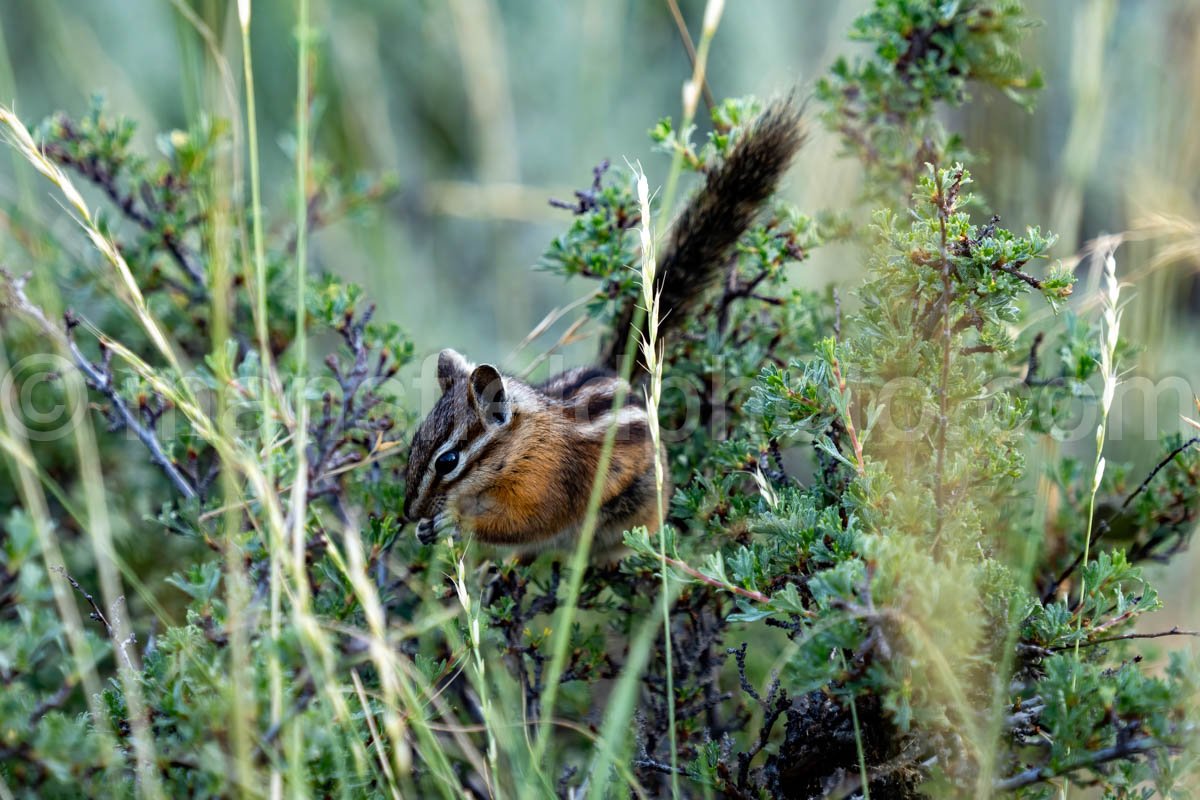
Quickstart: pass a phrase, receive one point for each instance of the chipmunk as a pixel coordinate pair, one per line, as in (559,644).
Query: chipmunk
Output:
(515,463)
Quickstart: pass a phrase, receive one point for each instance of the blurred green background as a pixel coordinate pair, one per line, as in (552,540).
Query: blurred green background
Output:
(484,109)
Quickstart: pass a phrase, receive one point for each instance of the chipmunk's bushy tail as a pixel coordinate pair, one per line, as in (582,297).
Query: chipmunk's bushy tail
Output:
(697,252)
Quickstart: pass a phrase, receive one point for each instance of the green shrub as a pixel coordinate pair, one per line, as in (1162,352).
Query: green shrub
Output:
(881,574)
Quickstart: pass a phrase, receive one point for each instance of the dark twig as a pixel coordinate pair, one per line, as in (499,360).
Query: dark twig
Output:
(586,199)
(1106,524)
(773,706)
(1158,468)
(771,462)
(1120,750)
(56,700)
(1034,365)
(112,627)
(1175,631)
(658,766)
(736,288)
(97,614)
(345,432)
(100,378)
(965,245)
(564,780)
(1014,270)
(104,177)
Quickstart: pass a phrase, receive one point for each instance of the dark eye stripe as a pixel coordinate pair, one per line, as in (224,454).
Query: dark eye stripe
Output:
(441,483)
(438,482)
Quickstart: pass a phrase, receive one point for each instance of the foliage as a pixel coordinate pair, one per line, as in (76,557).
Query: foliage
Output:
(922,54)
(869,590)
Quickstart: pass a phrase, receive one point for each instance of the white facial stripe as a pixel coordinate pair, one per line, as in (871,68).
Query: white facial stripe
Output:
(625,416)
(465,455)
(451,443)
(468,453)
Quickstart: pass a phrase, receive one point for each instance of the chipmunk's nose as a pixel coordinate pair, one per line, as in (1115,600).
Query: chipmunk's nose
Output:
(411,510)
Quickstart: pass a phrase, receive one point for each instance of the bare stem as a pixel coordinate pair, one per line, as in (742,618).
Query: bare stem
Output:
(749,594)
(1175,631)
(860,463)
(1119,750)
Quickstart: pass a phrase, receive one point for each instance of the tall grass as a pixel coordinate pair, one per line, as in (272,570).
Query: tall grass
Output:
(251,465)
(652,358)
(30,490)
(407,719)
(266,391)
(1109,297)
(622,698)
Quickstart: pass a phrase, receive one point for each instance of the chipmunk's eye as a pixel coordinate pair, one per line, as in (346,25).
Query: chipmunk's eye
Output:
(445,462)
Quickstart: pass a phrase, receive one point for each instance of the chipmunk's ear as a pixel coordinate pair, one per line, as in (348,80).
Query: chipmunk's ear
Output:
(489,396)
(452,368)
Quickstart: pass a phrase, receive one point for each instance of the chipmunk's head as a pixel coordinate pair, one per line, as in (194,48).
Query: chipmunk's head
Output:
(475,410)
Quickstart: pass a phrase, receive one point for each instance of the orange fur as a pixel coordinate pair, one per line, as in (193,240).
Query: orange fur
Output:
(519,505)
(515,464)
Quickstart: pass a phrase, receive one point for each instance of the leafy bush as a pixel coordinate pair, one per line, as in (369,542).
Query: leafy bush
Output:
(881,575)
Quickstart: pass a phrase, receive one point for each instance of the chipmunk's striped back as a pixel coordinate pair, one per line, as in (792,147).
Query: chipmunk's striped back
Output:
(515,464)
(518,461)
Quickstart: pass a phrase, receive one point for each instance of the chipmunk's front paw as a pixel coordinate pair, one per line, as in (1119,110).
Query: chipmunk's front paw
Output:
(429,528)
